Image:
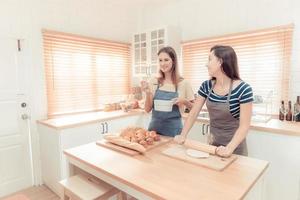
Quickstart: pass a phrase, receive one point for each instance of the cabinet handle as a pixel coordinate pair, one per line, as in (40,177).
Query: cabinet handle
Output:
(106,125)
(203,129)
(207,127)
(102,125)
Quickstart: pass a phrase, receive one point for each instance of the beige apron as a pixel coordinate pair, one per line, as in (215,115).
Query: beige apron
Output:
(222,124)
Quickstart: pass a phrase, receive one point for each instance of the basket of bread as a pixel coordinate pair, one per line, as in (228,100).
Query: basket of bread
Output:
(135,138)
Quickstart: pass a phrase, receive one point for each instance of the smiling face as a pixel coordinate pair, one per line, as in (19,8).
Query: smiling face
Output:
(165,62)
(214,65)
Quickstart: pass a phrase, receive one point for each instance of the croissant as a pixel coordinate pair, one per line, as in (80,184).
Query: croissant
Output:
(136,138)
(115,139)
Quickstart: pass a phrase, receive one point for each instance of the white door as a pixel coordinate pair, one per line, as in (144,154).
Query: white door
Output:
(15,149)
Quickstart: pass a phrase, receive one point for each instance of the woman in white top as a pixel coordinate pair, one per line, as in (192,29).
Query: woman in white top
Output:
(168,86)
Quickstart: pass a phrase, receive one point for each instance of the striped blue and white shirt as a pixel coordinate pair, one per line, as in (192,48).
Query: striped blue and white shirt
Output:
(241,94)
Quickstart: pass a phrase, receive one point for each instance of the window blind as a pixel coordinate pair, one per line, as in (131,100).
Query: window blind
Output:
(263,56)
(82,72)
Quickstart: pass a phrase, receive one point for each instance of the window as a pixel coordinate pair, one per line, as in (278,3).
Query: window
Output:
(82,73)
(263,56)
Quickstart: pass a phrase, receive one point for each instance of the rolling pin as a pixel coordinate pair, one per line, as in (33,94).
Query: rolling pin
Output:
(200,146)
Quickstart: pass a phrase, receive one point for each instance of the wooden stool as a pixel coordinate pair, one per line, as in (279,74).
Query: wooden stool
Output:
(80,187)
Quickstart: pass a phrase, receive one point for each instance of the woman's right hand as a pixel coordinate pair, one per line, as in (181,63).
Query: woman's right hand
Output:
(145,86)
(180,139)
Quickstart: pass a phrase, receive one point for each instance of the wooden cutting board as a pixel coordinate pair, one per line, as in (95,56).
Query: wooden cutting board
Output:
(213,162)
(131,152)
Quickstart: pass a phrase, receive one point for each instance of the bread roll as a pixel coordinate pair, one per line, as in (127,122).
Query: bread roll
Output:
(129,131)
(144,143)
(140,136)
(152,134)
(156,138)
(150,140)
(140,131)
(124,143)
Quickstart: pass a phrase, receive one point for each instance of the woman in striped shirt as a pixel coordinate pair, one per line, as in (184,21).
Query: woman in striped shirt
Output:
(228,101)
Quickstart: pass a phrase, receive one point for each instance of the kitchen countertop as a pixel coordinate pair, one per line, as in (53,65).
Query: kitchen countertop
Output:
(155,176)
(273,125)
(86,118)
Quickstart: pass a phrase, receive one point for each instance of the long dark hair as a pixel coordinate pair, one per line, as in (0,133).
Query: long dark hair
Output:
(229,60)
(176,78)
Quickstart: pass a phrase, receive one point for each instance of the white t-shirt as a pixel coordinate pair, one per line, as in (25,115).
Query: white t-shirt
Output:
(184,89)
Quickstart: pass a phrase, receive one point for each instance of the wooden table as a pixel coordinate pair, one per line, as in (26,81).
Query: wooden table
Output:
(156,176)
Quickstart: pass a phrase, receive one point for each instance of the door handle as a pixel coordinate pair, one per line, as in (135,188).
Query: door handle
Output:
(24,116)
(203,129)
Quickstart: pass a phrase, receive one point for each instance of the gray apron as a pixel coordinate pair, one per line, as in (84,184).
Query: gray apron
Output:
(222,124)
(166,123)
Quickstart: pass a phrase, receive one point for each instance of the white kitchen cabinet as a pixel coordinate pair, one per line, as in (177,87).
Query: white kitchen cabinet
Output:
(146,46)
(199,132)
(258,191)
(115,125)
(282,178)
(54,141)
(146,120)
(140,45)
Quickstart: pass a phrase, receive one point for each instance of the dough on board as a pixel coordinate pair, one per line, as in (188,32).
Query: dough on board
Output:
(196,154)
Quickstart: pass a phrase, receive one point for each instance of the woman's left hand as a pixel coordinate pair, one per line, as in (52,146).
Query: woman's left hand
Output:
(224,151)
(179,101)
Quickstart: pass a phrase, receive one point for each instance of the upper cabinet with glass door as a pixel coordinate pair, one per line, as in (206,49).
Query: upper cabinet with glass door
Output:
(147,44)
(140,53)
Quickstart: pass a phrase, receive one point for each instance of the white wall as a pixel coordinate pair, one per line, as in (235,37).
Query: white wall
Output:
(111,20)
(108,19)
(208,18)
